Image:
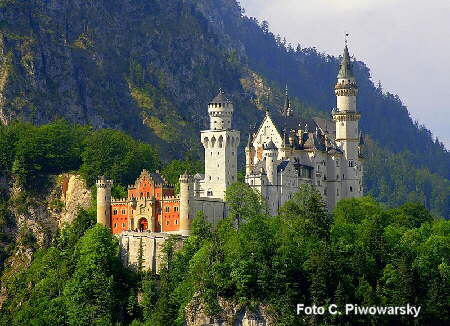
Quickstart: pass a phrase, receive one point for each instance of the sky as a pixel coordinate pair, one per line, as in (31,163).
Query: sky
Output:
(405,43)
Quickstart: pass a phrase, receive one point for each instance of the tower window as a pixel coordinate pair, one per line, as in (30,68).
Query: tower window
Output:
(351,189)
(124,211)
(115,212)
(175,209)
(167,209)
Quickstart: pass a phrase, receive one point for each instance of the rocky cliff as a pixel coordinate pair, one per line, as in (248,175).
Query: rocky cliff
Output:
(231,315)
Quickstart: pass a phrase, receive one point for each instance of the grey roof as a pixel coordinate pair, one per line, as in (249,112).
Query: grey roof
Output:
(346,68)
(220,98)
(314,131)
(270,145)
(157,178)
(282,166)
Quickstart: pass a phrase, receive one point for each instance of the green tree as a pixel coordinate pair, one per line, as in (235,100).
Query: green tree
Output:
(243,202)
(90,294)
(116,155)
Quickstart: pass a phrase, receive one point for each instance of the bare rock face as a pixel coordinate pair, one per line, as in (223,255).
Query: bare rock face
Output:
(75,195)
(231,315)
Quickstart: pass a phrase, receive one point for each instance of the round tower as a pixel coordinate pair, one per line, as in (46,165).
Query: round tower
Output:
(104,201)
(346,118)
(249,156)
(220,143)
(345,114)
(270,154)
(220,111)
(185,185)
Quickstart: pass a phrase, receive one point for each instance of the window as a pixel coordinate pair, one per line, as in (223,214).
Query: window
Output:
(115,225)
(115,212)
(351,189)
(337,176)
(209,193)
(167,209)
(337,192)
(175,209)
(124,211)
(351,163)
(337,163)
(167,222)
(176,222)
(123,225)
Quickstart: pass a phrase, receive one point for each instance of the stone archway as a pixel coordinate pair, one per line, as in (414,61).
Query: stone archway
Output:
(142,224)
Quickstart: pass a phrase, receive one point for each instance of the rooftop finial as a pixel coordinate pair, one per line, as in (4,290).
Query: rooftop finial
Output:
(346,38)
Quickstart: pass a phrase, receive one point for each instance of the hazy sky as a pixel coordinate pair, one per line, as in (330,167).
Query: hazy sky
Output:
(405,43)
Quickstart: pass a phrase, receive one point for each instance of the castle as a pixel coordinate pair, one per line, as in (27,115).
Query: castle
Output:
(281,154)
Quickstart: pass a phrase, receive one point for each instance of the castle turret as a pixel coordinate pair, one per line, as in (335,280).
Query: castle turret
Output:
(185,194)
(104,201)
(249,156)
(220,111)
(220,143)
(346,118)
(270,155)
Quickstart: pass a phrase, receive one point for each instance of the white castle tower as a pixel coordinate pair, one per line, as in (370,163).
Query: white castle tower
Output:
(104,201)
(347,132)
(220,143)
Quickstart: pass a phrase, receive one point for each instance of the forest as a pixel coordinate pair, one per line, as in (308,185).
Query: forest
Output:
(364,252)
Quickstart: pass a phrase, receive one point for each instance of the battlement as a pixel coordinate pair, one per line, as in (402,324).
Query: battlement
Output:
(103,182)
(171,198)
(120,200)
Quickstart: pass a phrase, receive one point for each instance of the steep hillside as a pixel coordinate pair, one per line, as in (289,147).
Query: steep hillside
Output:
(149,66)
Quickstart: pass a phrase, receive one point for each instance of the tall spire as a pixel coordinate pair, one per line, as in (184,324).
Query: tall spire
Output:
(287,109)
(286,103)
(346,68)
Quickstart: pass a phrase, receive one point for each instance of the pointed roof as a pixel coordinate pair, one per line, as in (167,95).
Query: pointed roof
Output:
(361,138)
(346,68)
(286,103)
(249,142)
(220,98)
(270,145)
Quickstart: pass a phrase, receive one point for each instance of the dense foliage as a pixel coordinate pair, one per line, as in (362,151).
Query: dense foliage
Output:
(364,253)
(149,67)
(32,153)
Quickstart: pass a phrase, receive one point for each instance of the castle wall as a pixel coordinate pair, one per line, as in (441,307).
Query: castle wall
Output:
(152,249)
(214,209)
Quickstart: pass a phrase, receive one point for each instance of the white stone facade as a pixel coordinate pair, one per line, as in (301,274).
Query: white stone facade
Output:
(284,153)
(206,192)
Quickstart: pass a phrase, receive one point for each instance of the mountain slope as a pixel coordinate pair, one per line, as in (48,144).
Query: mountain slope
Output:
(148,67)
